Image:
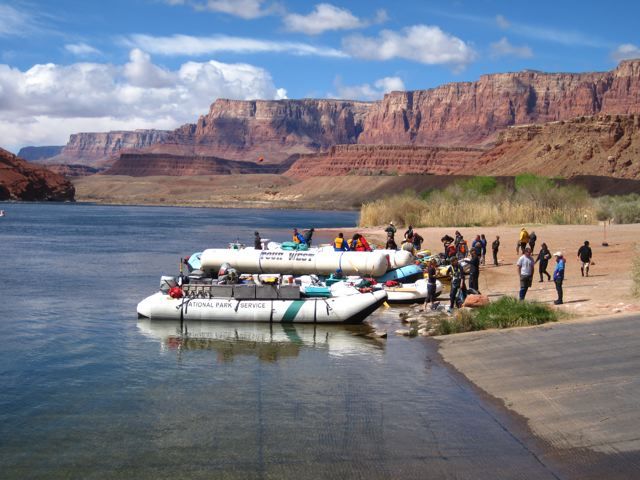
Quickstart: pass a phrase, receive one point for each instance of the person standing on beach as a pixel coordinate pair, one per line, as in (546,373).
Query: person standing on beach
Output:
(432,271)
(495,246)
(584,256)
(391,244)
(532,241)
(483,241)
(307,236)
(523,240)
(457,282)
(477,246)
(558,276)
(417,241)
(544,255)
(409,233)
(474,270)
(457,240)
(391,231)
(524,267)
(257,241)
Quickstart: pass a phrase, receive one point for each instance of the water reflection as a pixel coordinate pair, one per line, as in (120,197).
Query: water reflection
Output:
(268,342)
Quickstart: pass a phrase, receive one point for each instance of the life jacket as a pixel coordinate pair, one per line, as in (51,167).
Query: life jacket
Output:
(338,243)
(451,250)
(462,247)
(295,238)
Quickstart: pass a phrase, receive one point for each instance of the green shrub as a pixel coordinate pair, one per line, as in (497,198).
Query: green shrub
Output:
(505,313)
(622,209)
(479,185)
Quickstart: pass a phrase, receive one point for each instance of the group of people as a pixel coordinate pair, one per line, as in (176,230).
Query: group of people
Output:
(456,248)
(357,243)
(411,242)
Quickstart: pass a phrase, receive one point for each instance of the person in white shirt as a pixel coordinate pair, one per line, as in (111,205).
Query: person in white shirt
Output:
(525,271)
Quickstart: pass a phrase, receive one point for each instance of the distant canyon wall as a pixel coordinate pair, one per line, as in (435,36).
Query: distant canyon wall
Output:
(463,114)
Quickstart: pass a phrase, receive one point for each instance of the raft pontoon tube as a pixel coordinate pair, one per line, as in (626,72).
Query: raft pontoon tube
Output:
(316,262)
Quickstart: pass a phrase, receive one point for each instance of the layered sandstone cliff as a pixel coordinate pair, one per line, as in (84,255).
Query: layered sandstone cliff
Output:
(96,149)
(470,113)
(271,130)
(456,114)
(384,160)
(162,164)
(594,145)
(20,180)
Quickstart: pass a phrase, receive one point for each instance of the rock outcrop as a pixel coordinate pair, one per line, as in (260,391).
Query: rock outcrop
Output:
(20,180)
(271,130)
(100,149)
(38,154)
(161,164)
(384,160)
(470,113)
(595,145)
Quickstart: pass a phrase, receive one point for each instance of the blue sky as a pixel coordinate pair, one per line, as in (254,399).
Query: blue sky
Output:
(71,65)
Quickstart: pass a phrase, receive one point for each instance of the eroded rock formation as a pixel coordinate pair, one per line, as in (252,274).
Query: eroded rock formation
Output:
(385,160)
(20,180)
(155,164)
(595,145)
(38,154)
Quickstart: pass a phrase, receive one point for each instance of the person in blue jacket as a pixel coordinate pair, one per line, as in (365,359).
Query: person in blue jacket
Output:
(297,237)
(558,276)
(340,244)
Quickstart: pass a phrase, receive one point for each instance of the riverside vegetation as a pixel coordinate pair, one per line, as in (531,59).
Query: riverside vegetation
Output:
(482,201)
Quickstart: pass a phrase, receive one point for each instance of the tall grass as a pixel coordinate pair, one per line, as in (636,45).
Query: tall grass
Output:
(621,209)
(504,313)
(482,201)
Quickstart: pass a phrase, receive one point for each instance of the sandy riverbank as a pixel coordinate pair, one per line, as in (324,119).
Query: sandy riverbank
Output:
(607,291)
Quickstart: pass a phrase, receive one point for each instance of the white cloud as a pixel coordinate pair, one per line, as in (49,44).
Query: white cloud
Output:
(14,22)
(81,49)
(420,43)
(247,9)
(177,45)
(46,103)
(502,21)
(328,17)
(625,52)
(366,91)
(503,48)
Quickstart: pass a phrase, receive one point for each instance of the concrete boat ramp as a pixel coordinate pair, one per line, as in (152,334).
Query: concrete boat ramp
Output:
(575,386)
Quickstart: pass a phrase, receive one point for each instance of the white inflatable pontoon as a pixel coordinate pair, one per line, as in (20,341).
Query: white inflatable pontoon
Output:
(342,309)
(317,262)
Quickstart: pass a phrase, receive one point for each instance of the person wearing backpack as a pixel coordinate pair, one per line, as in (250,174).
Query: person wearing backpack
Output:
(457,282)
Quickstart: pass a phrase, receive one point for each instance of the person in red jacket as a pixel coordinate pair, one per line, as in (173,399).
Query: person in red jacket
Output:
(359,243)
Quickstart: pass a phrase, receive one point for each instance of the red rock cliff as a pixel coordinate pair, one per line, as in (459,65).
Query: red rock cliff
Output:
(384,160)
(20,180)
(274,130)
(97,148)
(470,113)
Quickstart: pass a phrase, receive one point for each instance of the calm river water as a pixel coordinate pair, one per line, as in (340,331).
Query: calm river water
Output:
(89,391)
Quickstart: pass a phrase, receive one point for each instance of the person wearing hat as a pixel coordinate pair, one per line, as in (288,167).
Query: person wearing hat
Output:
(257,241)
(558,276)
(391,231)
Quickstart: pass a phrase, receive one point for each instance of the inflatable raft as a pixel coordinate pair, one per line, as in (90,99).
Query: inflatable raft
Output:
(410,292)
(318,262)
(242,304)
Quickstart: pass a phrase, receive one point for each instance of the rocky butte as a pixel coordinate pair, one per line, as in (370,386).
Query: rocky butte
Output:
(20,180)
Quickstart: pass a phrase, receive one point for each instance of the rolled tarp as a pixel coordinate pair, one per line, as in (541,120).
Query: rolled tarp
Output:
(297,263)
